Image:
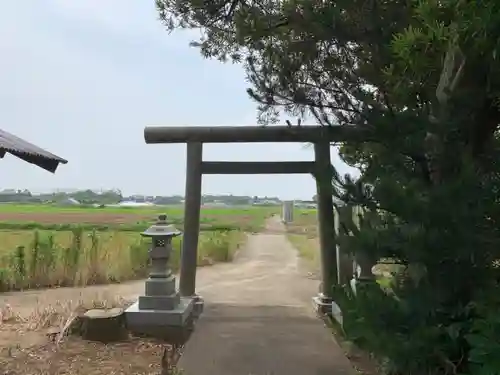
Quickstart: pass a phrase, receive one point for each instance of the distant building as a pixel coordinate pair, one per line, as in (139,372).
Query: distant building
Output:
(134,204)
(215,204)
(267,202)
(12,195)
(305,204)
(69,202)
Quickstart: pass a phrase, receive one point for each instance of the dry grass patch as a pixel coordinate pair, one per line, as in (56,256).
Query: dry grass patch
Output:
(305,222)
(36,259)
(308,249)
(303,234)
(31,344)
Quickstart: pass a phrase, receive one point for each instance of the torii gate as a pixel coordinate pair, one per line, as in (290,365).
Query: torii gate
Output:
(320,136)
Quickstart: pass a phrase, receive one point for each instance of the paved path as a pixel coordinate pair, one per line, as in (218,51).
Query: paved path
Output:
(258,317)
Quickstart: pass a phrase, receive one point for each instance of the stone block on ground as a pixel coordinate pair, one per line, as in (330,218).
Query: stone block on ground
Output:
(174,326)
(104,325)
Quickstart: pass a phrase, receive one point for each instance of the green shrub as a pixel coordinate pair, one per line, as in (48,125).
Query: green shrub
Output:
(440,314)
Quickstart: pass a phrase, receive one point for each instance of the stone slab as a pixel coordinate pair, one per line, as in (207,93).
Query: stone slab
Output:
(262,340)
(160,287)
(139,320)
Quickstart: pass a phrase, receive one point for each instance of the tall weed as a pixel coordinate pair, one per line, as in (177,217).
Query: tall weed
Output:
(79,258)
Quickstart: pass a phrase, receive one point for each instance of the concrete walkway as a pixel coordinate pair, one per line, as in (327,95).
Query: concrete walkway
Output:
(258,317)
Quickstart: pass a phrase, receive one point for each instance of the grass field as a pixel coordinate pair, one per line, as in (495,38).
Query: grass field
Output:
(303,234)
(48,246)
(305,222)
(174,210)
(50,217)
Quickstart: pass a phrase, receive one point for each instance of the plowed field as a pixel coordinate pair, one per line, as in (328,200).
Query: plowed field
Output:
(75,217)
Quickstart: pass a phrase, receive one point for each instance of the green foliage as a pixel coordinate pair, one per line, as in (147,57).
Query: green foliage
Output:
(448,240)
(423,79)
(377,322)
(206,225)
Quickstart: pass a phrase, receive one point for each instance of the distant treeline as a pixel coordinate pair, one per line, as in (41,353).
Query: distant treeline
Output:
(115,196)
(83,196)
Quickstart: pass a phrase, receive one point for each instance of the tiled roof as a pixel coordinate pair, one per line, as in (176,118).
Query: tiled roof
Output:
(28,152)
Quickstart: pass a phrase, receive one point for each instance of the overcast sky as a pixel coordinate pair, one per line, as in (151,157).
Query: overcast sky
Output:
(82,78)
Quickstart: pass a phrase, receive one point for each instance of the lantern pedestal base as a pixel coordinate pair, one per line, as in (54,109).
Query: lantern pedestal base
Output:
(163,324)
(162,303)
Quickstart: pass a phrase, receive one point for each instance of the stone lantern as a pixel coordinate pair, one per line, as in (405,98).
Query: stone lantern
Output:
(161,305)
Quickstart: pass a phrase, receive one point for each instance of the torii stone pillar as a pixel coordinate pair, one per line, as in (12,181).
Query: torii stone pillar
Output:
(192,207)
(326,226)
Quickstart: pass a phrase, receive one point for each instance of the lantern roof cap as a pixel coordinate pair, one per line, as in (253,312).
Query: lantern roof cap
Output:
(161,228)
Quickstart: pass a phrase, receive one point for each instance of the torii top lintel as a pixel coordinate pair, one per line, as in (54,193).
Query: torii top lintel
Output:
(252,134)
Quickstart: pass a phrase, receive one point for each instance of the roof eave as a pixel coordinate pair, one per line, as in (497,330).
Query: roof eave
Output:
(48,164)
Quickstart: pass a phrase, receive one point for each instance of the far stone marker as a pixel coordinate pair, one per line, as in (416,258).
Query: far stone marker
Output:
(161,308)
(287,212)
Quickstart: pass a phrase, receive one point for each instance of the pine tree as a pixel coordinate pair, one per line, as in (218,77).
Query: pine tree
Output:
(423,77)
